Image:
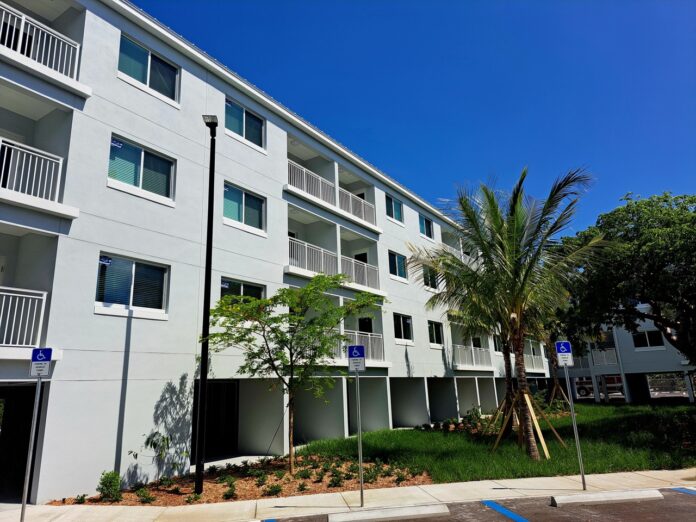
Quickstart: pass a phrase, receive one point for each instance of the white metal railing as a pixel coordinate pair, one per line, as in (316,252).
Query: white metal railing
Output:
(359,272)
(604,357)
(581,362)
(29,171)
(38,42)
(312,258)
(533,362)
(356,206)
(470,356)
(21,316)
(373,343)
(452,250)
(311,183)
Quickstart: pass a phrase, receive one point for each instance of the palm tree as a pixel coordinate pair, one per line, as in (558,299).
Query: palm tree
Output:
(515,274)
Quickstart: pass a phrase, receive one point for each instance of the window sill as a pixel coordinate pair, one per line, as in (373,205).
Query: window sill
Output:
(246,142)
(396,221)
(135,191)
(431,289)
(246,228)
(147,90)
(427,238)
(404,342)
(126,311)
(651,349)
(402,280)
(435,346)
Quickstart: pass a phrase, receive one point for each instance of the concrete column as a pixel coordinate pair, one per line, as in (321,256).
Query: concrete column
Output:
(478,393)
(595,388)
(495,393)
(689,386)
(346,426)
(389,403)
(335,168)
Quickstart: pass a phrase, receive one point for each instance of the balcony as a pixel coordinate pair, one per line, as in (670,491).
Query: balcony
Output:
(307,181)
(30,177)
(604,357)
(533,363)
(21,317)
(373,343)
(31,45)
(469,357)
(356,206)
(360,273)
(311,258)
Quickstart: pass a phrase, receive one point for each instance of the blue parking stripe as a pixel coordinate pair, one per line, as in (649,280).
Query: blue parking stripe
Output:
(503,511)
(685,490)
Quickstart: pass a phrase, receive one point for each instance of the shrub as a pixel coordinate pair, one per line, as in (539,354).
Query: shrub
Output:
(110,486)
(314,464)
(336,480)
(279,474)
(319,476)
(212,470)
(388,471)
(144,495)
(81,499)
(302,486)
(353,468)
(303,474)
(231,491)
(348,476)
(370,474)
(222,479)
(261,480)
(273,490)
(176,490)
(325,466)
(230,467)
(166,482)
(193,497)
(400,477)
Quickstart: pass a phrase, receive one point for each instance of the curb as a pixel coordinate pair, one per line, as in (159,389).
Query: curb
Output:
(395,513)
(603,497)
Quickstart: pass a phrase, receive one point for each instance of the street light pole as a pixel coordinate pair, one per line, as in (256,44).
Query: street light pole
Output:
(211,122)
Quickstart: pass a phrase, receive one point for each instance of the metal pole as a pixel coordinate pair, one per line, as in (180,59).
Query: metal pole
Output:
(203,378)
(30,453)
(575,428)
(360,455)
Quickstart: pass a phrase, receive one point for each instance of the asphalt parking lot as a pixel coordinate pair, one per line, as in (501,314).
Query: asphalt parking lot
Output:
(675,507)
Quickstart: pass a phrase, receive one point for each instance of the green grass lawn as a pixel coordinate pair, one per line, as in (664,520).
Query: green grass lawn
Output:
(613,438)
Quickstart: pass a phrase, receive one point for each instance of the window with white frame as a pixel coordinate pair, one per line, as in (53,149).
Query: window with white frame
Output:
(403,327)
(497,344)
(244,207)
(239,288)
(426,226)
(244,123)
(648,339)
(140,168)
(395,209)
(142,65)
(131,283)
(435,332)
(477,342)
(430,277)
(397,265)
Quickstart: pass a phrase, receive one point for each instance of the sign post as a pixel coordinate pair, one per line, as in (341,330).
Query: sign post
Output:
(40,367)
(564,353)
(356,362)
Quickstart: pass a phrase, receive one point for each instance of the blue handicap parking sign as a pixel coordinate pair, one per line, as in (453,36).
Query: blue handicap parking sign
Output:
(356,352)
(563,347)
(41,354)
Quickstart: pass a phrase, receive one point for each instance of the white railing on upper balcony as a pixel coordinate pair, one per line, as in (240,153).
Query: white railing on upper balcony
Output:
(359,272)
(453,250)
(533,362)
(311,183)
(312,258)
(604,357)
(38,42)
(21,317)
(356,206)
(373,343)
(470,356)
(29,171)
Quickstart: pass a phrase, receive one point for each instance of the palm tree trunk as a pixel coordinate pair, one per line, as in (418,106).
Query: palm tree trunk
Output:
(553,368)
(525,414)
(291,427)
(509,390)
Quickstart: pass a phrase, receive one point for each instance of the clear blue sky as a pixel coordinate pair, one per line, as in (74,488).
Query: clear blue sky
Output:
(442,93)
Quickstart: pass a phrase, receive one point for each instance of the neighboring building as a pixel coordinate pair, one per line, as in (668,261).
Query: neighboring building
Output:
(103,163)
(625,364)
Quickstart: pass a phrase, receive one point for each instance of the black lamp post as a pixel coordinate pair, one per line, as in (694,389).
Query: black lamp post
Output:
(211,122)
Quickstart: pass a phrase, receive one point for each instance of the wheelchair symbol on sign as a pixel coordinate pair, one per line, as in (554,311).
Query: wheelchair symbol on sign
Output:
(356,353)
(40,356)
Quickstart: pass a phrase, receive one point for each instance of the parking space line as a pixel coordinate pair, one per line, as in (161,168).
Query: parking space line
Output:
(503,511)
(685,490)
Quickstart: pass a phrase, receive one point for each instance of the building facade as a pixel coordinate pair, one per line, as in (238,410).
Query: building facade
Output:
(104,169)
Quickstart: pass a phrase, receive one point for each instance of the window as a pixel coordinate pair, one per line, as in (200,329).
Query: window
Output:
(147,68)
(243,207)
(231,287)
(130,283)
(497,344)
(532,347)
(403,327)
(430,277)
(476,342)
(244,123)
(140,168)
(648,339)
(397,265)
(435,332)
(395,209)
(426,226)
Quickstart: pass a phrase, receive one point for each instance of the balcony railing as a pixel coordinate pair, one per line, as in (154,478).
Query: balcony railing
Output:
(604,357)
(21,317)
(533,362)
(452,250)
(311,183)
(471,357)
(356,206)
(29,171)
(373,343)
(313,258)
(38,42)
(359,272)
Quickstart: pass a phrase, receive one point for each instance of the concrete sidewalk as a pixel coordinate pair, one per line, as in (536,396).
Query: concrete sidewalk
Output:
(374,498)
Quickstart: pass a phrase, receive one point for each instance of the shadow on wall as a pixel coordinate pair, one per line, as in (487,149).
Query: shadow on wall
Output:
(446,353)
(169,442)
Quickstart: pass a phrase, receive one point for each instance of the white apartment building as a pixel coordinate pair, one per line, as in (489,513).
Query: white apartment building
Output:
(104,168)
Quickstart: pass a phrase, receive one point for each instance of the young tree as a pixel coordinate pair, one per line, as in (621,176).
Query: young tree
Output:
(289,337)
(515,275)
